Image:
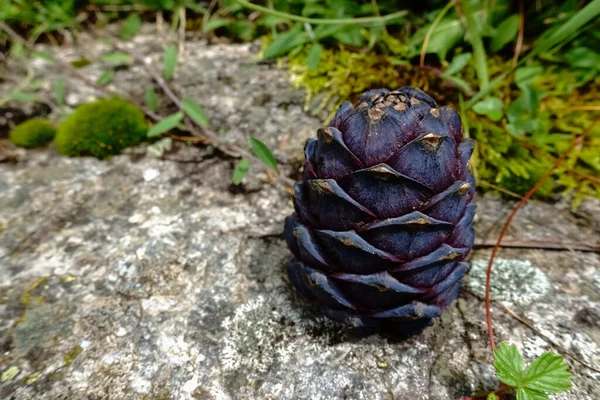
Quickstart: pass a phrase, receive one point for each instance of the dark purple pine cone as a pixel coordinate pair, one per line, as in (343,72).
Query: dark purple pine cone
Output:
(384,219)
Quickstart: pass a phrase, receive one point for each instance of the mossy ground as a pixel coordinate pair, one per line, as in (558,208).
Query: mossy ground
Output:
(509,161)
(33,133)
(101,129)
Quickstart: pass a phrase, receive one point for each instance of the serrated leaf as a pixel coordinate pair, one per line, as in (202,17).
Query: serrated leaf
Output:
(22,96)
(548,373)
(240,171)
(505,33)
(151,99)
(117,58)
(263,153)
(216,23)
(509,364)
(59,92)
(43,55)
(196,113)
(170,61)
(285,42)
(314,56)
(528,394)
(490,106)
(458,63)
(165,124)
(105,78)
(131,26)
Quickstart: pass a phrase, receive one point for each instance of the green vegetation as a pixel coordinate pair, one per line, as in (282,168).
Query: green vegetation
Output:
(549,373)
(101,129)
(33,133)
(525,79)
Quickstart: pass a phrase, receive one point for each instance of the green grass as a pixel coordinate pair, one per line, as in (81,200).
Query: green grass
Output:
(522,114)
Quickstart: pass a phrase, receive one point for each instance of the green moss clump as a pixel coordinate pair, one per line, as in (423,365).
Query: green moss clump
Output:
(33,133)
(101,129)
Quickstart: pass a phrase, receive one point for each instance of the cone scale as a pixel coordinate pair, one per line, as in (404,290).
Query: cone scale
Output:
(383,216)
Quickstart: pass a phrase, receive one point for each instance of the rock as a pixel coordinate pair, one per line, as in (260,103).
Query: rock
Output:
(147,277)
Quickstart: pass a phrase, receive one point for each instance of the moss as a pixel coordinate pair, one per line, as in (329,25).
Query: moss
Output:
(33,133)
(101,129)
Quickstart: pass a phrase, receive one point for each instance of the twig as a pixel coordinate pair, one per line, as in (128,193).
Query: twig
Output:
(585,108)
(434,25)
(488,313)
(519,44)
(539,244)
(529,325)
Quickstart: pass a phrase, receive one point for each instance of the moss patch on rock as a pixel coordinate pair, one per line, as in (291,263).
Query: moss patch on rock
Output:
(101,129)
(33,133)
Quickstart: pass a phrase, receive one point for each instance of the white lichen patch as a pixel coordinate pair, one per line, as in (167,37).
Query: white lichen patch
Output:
(515,281)
(255,337)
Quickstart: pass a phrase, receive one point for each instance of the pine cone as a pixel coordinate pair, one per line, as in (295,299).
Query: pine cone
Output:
(384,220)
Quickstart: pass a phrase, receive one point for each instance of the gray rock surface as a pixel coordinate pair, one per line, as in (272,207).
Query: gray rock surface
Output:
(151,278)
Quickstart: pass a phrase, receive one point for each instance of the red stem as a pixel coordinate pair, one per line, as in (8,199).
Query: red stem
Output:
(540,182)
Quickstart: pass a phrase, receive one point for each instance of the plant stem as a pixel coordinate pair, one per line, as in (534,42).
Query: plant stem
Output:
(488,312)
(477,43)
(322,21)
(431,29)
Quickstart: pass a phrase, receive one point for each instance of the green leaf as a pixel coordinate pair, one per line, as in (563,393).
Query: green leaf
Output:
(240,171)
(81,63)
(583,57)
(548,373)
(196,113)
(528,394)
(458,63)
(195,7)
(477,43)
(105,78)
(117,58)
(490,106)
(350,35)
(151,99)
(505,33)
(59,92)
(314,56)
(509,364)
(569,28)
(43,55)
(525,76)
(170,61)
(17,50)
(448,32)
(215,23)
(22,96)
(263,153)
(285,42)
(165,125)
(461,83)
(492,396)
(131,26)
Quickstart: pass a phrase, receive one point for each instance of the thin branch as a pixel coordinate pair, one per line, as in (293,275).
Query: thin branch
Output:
(488,312)
(322,21)
(538,244)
